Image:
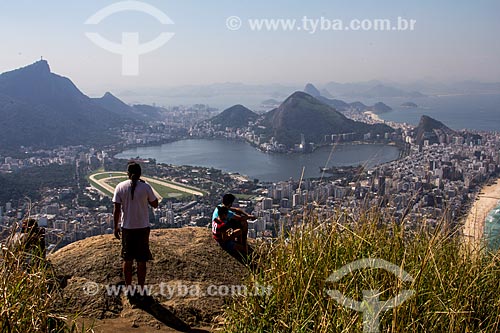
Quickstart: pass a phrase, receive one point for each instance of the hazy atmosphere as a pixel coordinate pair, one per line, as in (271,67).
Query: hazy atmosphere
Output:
(249,166)
(450,41)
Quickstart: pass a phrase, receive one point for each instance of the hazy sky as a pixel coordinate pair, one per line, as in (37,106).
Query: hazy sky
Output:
(452,40)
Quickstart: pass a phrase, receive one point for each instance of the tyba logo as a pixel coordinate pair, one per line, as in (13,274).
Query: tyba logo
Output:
(370,306)
(129,49)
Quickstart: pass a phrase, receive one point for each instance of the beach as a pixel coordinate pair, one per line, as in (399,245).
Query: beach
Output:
(488,198)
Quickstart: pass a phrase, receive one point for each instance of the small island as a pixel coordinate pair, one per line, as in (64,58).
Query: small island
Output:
(409,105)
(379,108)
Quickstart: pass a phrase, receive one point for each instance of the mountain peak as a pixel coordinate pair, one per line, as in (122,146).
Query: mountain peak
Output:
(36,84)
(38,67)
(235,116)
(299,95)
(312,90)
(431,129)
(380,107)
(301,113)
(110,97)
(429,123)
(302,97)
(37,71)
(42,65)
(238,107)
(49,110)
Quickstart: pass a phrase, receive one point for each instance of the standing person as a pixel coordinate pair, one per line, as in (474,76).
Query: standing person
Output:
(131,199)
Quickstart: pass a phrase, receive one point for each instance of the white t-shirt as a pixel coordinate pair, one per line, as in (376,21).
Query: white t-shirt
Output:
(134,212)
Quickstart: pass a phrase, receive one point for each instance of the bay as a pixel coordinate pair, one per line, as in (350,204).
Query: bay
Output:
(240,157)
(476,112)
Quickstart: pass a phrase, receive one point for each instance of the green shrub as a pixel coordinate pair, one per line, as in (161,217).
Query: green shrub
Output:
(455,290)
(29,289)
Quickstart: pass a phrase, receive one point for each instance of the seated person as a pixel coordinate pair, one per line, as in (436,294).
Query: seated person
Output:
(238,217)
(226,231)
(29,244)
(31,239)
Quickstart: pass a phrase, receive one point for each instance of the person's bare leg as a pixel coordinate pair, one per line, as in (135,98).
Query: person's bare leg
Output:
(244,234)
(127,272)
(141,273)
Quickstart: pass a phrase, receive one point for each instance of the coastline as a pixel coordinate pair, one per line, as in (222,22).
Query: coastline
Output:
(473,229)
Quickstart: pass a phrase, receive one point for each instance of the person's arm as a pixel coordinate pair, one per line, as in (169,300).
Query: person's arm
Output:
(117,213)
(242,213)
(238,211)
(152,199)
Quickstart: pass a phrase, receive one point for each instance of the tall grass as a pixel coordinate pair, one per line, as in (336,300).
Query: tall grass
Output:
(456,290)
(29,290)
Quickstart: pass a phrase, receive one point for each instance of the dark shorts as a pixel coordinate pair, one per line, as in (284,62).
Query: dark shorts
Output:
(230,244)
(135,245)
(227,245)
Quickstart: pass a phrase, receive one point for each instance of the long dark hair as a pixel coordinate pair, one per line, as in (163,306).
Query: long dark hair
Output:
(134,173)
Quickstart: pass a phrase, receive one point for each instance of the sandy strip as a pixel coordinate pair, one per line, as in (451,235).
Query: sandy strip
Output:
(473,230)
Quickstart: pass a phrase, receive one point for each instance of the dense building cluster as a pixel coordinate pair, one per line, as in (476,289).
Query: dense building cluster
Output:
(431,180)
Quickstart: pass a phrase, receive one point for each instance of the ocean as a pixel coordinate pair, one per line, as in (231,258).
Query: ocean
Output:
(476,112)
(492,228)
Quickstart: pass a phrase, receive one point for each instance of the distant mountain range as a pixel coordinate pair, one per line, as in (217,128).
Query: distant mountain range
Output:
(42,109)
(299,114)
(340,105)
(369,89)
(432,87)
(134,112)
(222,95)
(382,91)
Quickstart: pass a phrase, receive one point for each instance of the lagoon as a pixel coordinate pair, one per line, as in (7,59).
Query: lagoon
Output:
(240,157)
